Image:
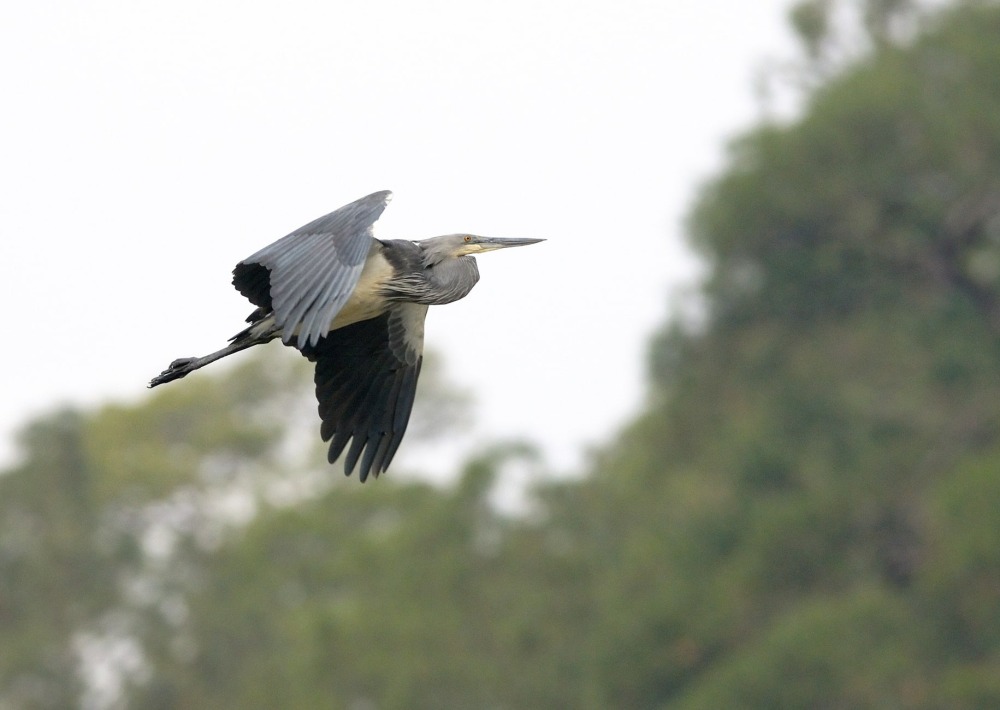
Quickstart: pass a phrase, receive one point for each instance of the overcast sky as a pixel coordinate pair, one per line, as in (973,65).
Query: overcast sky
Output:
(147,147)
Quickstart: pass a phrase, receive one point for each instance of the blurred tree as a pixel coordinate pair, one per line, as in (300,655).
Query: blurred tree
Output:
(109,525)
(811,20)
(848,364)
(384,596)
(96,507)
(50,584)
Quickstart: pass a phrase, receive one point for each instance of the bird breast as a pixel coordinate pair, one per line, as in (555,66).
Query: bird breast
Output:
(368,298)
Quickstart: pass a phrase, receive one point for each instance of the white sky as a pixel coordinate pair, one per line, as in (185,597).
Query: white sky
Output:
(146,147)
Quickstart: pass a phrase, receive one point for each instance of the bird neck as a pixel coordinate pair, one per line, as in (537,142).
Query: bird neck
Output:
(450,280)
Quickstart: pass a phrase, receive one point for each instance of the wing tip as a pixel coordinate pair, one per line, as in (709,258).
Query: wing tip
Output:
(383,197)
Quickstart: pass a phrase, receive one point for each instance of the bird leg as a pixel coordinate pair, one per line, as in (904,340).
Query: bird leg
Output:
(186,365)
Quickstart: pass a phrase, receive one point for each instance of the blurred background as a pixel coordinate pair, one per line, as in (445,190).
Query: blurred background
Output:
(739,444)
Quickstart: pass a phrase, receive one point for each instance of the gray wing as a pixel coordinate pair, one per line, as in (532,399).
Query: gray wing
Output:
(305,278)
(366,378)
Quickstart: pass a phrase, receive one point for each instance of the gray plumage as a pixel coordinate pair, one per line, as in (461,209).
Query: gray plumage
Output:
(355,305)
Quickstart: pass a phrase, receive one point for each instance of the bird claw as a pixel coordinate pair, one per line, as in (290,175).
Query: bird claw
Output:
(177,369)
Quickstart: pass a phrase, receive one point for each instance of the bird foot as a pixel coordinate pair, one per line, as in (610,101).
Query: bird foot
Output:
(177,369)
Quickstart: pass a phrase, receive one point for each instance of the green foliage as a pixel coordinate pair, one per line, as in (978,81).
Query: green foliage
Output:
(961,589)
(77,515)
(235,420)
(857,650)
(388,594)
(49,582)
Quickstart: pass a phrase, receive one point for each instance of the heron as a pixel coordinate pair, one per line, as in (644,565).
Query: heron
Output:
(355,306)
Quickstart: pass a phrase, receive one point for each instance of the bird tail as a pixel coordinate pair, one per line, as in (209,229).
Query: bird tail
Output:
(247,338)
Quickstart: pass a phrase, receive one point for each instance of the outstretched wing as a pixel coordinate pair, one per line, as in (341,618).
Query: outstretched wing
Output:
(306,277)
(366,377)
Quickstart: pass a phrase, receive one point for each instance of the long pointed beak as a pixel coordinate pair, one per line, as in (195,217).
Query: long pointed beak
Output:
(491,243)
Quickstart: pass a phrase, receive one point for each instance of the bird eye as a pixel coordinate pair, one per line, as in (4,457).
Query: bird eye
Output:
(468,238)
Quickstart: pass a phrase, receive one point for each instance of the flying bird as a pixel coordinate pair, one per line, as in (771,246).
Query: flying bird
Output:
(355,306)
